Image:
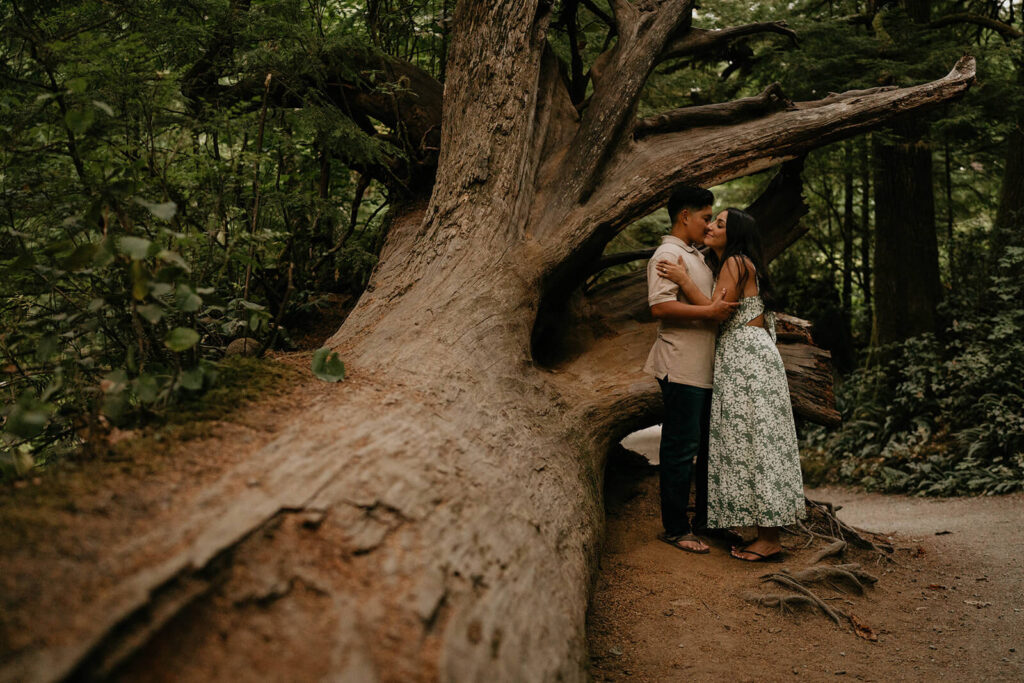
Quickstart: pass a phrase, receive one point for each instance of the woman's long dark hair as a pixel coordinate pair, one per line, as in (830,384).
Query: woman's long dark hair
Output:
(742,238)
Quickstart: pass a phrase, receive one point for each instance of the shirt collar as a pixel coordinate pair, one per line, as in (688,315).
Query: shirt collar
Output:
(672,239)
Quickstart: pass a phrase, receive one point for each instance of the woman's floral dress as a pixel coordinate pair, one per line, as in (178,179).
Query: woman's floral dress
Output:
(753,462)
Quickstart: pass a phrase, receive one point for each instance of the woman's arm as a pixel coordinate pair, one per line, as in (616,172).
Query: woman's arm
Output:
(677,273)
(728,277)
(676,311)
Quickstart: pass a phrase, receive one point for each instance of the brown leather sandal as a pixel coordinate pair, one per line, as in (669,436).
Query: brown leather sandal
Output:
(676,542)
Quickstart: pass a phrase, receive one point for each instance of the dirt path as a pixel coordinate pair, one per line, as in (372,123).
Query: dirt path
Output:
(951,607)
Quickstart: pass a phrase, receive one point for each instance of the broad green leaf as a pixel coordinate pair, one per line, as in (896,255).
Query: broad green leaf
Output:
(192,379)
(114,382)
(146,388)
(327,365)
(79,120)
(172,257)
(151,312)
(23,462)
(115,406)
(136,248)
(181,339)
(53,248)
(77,85)
(187,300)
(26,422)
(164,211)
(161,289)
(81,257)
(104,253)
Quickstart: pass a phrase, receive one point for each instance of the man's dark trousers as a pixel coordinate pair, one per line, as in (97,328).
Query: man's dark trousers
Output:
(684,455)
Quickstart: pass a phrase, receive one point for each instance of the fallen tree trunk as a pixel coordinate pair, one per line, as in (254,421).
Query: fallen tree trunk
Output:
(439,517)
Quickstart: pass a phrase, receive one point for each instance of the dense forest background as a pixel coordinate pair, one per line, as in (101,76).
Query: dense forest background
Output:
(154,209)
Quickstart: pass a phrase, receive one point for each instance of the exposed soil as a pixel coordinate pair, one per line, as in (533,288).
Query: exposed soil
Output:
(947,606)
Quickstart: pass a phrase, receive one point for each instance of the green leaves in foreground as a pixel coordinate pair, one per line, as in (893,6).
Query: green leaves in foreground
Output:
(181,339)
(327,365)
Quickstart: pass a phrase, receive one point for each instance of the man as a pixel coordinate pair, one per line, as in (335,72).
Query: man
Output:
(682,359)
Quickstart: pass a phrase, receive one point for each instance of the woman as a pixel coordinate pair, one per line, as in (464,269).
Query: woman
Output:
(753,462)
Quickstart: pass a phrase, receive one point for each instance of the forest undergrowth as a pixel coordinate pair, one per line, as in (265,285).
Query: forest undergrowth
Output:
(938,414)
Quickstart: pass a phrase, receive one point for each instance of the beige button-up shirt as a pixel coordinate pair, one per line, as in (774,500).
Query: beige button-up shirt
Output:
(684,352)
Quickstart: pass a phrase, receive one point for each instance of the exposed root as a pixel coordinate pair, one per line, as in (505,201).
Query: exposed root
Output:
(862,576)
(833,549)
(822,523)
(786,602)
(789,582)
(850,575)
(838,529)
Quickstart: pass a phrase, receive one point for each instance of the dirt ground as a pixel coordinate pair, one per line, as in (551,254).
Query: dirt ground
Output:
(949,606)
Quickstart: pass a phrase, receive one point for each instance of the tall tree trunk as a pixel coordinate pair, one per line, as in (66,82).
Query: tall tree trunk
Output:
(849,228)
(1010,215)
(865,239)
(907,286)
(844,355)
(906,262)
(440,516)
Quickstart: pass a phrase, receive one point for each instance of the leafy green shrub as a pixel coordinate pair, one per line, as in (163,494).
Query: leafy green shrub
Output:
(940,417)
(102,329)
(143,230)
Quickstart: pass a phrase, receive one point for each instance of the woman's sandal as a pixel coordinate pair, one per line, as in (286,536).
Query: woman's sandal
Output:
(675,541)
(773,557)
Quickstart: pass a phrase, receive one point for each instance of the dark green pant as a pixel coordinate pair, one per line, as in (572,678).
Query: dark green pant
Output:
(684,455)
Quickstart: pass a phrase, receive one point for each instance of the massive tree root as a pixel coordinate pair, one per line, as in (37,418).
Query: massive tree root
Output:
(845,579)
(822,523)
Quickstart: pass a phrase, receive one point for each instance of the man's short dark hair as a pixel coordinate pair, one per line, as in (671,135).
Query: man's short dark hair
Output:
(686,197)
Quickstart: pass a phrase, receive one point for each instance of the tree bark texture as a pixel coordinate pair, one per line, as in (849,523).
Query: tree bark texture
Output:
(1010,215)
(906,260)
(865,237)
(440,517)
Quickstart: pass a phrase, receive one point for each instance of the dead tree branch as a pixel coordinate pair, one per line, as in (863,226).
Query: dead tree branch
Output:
(770,100)
(699,42)
(1007,32)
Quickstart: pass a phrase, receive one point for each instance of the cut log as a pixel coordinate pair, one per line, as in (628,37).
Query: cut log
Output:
(792,329)
(809,371)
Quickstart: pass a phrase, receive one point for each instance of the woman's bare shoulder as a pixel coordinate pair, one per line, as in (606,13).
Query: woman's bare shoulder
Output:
(739,262)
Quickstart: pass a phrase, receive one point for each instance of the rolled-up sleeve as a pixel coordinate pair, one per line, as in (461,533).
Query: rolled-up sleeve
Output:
(660,289)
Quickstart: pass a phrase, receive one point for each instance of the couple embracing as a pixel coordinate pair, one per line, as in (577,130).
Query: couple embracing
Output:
(728,421)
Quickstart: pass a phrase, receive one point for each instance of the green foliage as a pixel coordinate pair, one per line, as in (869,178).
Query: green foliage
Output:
(327,365)
(143,232)
(940,416)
